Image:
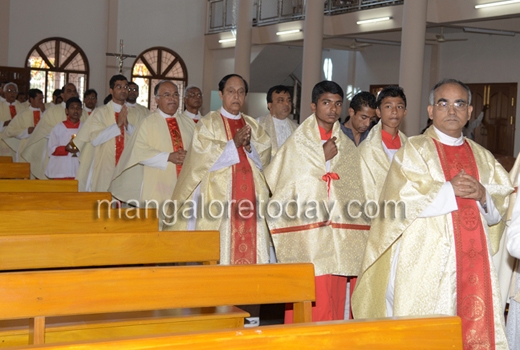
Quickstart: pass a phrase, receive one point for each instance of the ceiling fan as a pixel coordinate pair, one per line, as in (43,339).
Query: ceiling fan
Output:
(440,38)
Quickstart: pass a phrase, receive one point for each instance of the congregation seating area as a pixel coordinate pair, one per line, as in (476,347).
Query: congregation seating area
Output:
(72,279)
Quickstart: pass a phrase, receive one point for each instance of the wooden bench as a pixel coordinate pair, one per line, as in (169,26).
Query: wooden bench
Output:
(6,159)
(23,252)
(38,185)
(15,171)
(419,333)
(44,294)
(51,200)
(56,221)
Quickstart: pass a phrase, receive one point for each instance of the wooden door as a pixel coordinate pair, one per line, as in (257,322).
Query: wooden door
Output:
(497,130)
(19,76)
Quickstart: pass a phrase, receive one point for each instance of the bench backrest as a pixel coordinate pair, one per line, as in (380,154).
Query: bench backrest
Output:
(15,171)
(23,252)
(6,159)
(51,200)
(56,221)
(41,294)
(38,185)
(436,332)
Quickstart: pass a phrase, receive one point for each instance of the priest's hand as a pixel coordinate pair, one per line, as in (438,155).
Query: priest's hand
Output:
(243,138)
(122,119)
(466,186)
(330,149)
(177,157)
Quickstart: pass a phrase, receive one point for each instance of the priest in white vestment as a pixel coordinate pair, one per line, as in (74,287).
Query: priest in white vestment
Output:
(435,255)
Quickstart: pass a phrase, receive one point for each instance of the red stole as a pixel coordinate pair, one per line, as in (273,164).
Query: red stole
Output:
(120,140)
(36,117)
(328,177)
(243,202)
(175,134)
(12,110)
(474,294)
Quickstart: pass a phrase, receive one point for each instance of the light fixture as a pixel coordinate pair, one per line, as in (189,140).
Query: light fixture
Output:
(227,40)
(488,31)
(374,20)
(375,41)
(496,3)
(292,31)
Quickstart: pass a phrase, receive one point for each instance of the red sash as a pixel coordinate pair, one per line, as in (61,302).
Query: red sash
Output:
(474,294)
(120,141)
(243,227)
(36,117)
(12,110)
(175,134)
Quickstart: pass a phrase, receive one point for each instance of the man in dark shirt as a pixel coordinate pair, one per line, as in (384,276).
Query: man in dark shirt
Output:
(362,110)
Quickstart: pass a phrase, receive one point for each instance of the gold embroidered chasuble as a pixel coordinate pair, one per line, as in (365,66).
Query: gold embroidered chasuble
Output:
(209,141)
(135,181)
(99,160)
(35,150)
(268,124)
(425,281)
(329,237)
(374,161)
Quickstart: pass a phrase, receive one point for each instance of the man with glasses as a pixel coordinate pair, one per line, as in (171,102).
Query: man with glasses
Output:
(435,256)
(8,110)
(103,138)
(192,103)
(131,100)
(35,151)
(152,161)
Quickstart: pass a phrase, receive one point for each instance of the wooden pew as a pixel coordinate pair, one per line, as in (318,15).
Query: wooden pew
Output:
(56,221)
(22,252)
(44,294)
(15,171)
(436,332)
(6,159)
(38,185)
(51,200)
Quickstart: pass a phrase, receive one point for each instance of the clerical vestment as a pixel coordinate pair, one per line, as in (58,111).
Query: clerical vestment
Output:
(35,150)
(135,181)
(374,161)
(331,236)
(216,188)
(8,112)
(97,163)
(427,265)
(140,110)
(12,134)
(268,124)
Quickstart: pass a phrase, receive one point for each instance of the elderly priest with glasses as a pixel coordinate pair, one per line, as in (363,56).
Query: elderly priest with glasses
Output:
(435,258)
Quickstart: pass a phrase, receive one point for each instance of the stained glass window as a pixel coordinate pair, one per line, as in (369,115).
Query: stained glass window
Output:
(154,65)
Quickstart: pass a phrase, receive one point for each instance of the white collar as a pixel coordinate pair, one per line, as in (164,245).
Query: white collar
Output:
(164,115)
(191,115)
(117,107)
(229,115)
(448,140)
(130,104)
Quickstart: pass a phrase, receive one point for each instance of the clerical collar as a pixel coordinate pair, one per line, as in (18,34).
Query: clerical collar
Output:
(34,109)
(193,116)
(64,105)
(229,115)
(165,115)
(2,99)
(279,121)
(88,110)
(117,107)
(448,140)
(130,104)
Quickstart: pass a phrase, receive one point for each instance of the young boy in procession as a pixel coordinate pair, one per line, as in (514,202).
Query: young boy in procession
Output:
(315,225)
(383,141)
(63,162)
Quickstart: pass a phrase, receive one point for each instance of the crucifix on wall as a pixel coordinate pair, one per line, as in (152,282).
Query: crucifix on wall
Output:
(120,56)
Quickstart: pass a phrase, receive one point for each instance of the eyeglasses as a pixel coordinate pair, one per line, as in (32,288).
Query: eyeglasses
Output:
(169,96)
(193,94)
(458,106)
(119,87)
(133,89)
(9,90)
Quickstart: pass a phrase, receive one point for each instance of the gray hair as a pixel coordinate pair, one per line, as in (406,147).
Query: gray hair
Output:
(449,81)
(190,87)
(156,88)
(9,84)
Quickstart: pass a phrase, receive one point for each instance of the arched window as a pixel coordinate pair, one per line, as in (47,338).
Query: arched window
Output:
(54,62)
(154,65)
